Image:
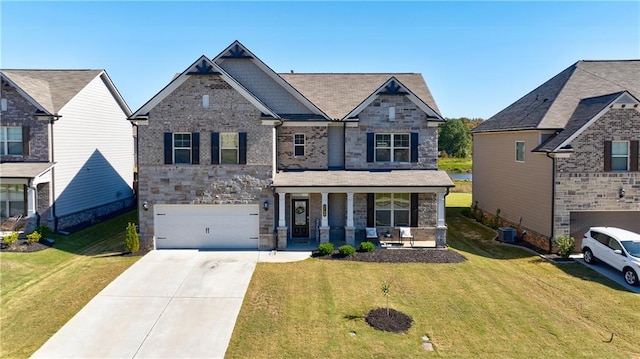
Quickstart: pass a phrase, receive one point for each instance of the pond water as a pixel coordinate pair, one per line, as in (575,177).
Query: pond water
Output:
(457,176)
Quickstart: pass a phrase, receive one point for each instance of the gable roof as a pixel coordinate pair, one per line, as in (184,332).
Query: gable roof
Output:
(338,94)
(51,90)
(587,111)
(551,105)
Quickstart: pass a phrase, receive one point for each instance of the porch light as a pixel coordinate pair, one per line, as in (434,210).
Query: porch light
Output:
(265,205)
(145,205)
(621,192)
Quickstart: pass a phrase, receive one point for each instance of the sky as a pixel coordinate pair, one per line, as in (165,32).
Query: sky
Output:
(476,57)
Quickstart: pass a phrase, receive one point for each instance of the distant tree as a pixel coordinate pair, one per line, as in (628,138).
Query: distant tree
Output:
(454,138)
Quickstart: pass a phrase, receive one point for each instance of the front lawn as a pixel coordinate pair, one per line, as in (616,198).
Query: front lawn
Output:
(503,302)
(42,290)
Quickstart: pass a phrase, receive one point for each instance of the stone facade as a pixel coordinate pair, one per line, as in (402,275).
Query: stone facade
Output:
(205,183)
(582,184)
(374,119)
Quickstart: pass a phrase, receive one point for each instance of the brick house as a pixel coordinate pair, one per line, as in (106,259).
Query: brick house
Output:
(66,148)
(234,155)
(565,156)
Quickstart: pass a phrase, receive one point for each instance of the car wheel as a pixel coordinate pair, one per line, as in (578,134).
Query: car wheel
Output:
(630,276)
(588,256)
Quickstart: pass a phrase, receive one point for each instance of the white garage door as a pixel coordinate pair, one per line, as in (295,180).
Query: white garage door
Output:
(206,226)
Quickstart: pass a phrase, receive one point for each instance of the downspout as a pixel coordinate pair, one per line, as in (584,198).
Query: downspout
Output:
(553,200)
(52,119)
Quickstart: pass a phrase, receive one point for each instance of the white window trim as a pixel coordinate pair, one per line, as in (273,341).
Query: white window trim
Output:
(392,209)
(190,148)
(304,140)
(524,146)
(237,148)
(5,142)
(627,156)
(392,148)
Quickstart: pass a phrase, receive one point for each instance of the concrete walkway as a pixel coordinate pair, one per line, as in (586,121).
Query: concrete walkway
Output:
(169,304)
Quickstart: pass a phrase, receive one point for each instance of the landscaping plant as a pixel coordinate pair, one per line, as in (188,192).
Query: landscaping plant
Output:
(385,291)
(10,238)
(33,237)
(367,247)
(565,245)
(44,231)
(131,240)
(325,248)
(346,250)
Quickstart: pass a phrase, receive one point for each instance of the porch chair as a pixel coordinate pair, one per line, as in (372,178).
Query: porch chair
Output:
(371,233)
(405,232)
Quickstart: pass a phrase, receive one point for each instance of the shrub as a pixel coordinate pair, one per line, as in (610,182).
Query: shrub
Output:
(565,245)
(11,238)
(325,248)
(496,220)
(33,237)
(367,247)
(346,250)
(131,240)
(44,231)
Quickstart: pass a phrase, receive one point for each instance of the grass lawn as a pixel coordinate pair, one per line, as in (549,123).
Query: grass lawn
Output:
(41,291)
(455,199)
(504,302)
(451,164)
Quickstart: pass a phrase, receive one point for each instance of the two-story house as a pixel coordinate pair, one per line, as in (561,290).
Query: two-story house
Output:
(565,156)
(234,155)
(66,148)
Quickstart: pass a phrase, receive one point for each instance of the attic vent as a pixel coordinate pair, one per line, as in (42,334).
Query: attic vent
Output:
(205,101)
(392,114)
(3,104)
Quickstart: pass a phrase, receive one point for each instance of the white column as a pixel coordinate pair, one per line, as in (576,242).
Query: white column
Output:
(441,209)
(31,201)
(282,221)
(350,209)
(325,210)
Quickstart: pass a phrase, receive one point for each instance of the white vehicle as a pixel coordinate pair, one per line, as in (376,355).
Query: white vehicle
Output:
(616,247)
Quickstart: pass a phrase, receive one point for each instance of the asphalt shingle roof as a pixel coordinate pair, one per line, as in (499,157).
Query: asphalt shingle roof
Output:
(337,94)
(24,169)
(52,89)
(398,178)
(551,105)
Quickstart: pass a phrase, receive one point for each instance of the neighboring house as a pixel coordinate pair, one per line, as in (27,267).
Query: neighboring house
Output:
(565,156)
(234,155)
(66,148)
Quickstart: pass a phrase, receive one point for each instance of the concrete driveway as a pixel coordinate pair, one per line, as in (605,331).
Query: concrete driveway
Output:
(608,272)
(169,304)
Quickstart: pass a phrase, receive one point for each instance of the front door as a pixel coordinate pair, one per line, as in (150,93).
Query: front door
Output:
(300,218)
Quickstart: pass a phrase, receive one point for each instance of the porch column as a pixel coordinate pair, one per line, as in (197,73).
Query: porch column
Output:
(324,224)
(349,230)
(31,201)
(282,221)
(441,227)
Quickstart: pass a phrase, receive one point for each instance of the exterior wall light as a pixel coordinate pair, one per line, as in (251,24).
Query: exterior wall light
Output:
(145,205)
(265,205)
(621,192)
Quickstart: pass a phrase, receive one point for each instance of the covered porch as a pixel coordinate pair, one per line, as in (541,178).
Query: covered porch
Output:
(338,206)
(24,191)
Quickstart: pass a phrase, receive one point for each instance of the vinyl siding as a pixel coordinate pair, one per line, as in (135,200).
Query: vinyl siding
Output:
(519,190)
(93,149)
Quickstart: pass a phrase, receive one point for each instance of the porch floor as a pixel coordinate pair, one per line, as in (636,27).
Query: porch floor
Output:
(308,244)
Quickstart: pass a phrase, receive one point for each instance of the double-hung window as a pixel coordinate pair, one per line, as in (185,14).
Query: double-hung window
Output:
(11,200)
(11,141)
(619,155)
(392,147)
(298,145)
(229,147)
(392,209)
(519,151)
(182,148)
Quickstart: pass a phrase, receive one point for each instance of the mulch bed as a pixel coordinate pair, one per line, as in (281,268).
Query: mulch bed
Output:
(393,321)
(22,246)
(400,256)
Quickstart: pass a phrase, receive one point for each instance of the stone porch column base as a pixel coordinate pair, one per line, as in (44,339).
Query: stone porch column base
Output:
(350,235)
(441,237)
(324,234)
(282,237)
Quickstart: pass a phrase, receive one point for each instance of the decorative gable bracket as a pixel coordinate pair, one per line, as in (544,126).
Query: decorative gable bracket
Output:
(236,52)
(203,69)
(392,89)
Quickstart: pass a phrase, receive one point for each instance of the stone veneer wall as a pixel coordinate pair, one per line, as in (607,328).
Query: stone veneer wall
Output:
(94,215)
(204,183)
(409,118)
(315,151)
(581,183)
(20,112)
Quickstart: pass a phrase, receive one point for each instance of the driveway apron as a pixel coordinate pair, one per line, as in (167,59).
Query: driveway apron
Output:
(169,304)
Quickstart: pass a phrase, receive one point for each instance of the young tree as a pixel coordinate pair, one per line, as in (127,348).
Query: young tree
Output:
(454,138)
(131,240)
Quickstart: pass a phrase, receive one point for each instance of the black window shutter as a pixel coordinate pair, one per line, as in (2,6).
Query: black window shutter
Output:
(414,210)
(634,156)
(370,146)
(242,147)
(607,156)
(168,148)
(25,140)
(371,215)
(195,148)
(215,148)
(414,147)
